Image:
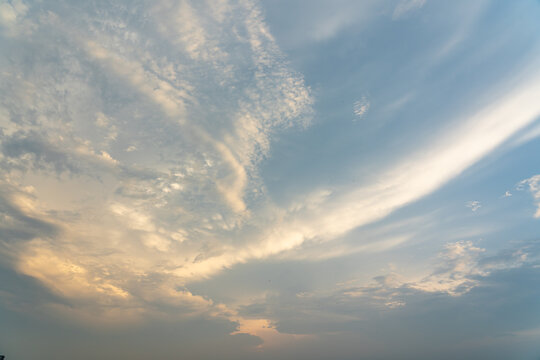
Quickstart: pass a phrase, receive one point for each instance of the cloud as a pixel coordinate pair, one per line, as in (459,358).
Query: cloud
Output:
(11,12)
(533,184)
(128,154)
(455,274)
(420,173)
(20,220)
(200,159)
(458,291)
(361,107)
(417,175)
(528,135)
(32,149)
(405,6)
(458,269)
(473,205)
(131,148)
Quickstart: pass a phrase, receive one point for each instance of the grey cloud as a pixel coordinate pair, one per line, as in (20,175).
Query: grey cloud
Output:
(16,225)
(483,321)
(42,152)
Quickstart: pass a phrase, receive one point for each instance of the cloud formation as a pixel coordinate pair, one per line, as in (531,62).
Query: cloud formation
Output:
(134,141)
(127,114)
(189,184)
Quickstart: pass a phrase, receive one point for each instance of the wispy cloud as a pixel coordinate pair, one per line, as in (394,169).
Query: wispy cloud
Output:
(405,6)
(473,205)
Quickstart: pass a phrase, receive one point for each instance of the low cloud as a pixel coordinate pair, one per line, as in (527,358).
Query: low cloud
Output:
(460,290)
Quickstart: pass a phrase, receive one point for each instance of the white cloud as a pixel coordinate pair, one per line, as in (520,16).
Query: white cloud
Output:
(361,107)
(458,269)
(473,205)
(533,184)
(455,273)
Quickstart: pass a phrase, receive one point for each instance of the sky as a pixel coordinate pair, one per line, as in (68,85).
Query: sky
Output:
(270,179)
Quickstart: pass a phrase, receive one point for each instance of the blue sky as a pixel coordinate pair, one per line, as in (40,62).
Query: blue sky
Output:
(270,179)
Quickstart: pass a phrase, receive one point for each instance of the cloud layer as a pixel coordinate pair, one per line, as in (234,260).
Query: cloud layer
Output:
(133,144)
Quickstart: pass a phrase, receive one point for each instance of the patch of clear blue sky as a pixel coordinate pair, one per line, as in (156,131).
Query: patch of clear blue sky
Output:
(413,91)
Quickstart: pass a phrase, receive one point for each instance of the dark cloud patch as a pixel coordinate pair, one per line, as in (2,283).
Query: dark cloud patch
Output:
(16,225)
(42,154)
(23,294)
